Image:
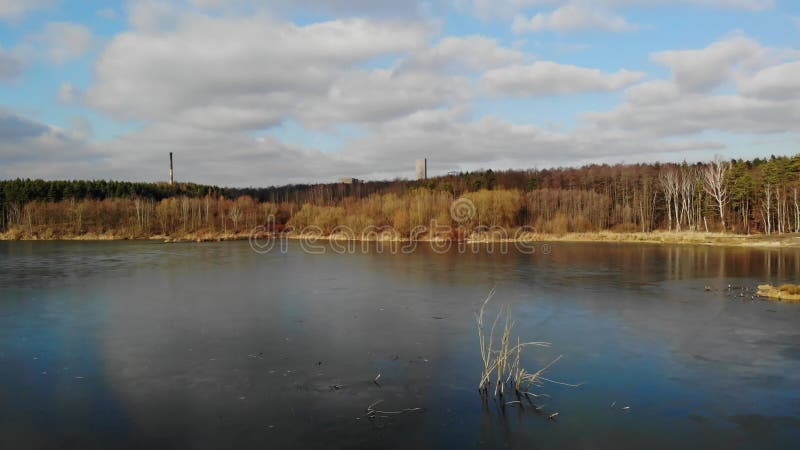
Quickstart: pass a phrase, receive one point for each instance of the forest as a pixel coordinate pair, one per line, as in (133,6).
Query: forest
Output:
(758,196)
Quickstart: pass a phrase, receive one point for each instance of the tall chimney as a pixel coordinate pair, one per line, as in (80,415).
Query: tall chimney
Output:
(171,180)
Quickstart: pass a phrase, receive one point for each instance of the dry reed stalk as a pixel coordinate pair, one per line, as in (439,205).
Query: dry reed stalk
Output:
(503,363)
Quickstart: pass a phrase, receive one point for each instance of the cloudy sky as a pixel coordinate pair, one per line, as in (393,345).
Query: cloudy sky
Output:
(270,92)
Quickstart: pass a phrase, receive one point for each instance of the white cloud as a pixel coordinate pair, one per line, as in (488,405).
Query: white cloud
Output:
(15,9)
(765,100)
(744,5)
(652,92)
(229,159)
(447,136)
(488,9)
(580,15)
(463,53)
(14,127)
(777,82)
(571,18)
(29,148)
(32,149)
(452,141)
(705,69)
(68,93)
(64,41)
(339,8)
(251,73)
(204,84)
(747,5)
(381,95)
(107,13)
(549,78)
(81,127)
(10,65)
(692,114)
(151,15)
(358,7)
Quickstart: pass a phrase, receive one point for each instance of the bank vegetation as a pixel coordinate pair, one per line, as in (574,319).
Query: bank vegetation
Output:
(719,198)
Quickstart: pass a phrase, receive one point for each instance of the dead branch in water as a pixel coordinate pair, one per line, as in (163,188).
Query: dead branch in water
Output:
(378,416)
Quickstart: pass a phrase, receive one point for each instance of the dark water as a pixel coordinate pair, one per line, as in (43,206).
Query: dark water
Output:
(152,346)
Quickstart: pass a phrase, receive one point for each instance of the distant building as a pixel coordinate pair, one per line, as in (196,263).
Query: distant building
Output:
(422,169)
(348,180)
(171,179)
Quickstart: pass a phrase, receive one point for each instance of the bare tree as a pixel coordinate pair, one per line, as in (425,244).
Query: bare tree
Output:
(235,214)
(766,208)
(796,212)
(714,184)
(688,183)
(668,179)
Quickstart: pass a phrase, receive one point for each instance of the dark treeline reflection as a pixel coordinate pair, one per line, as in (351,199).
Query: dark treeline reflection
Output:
(651,262)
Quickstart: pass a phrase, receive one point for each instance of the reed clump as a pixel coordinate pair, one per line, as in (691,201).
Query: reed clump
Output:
(792,289)
(790,292)
(502,372)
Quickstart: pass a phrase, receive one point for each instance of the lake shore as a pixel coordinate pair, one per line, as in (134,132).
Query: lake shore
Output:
(655,237)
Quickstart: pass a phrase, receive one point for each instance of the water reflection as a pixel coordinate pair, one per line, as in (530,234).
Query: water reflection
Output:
(209,346)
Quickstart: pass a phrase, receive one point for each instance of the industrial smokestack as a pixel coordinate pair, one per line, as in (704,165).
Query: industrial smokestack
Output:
(171,179)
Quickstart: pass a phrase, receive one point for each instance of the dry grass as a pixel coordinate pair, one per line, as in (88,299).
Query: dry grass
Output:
(790,292)
(673,237)
(501,360)
(657,237)
(792,289)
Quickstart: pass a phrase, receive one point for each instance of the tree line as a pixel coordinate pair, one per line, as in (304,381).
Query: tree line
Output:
(739,196)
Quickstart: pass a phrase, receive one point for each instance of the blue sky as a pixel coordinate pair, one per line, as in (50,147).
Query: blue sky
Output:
(263,93)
